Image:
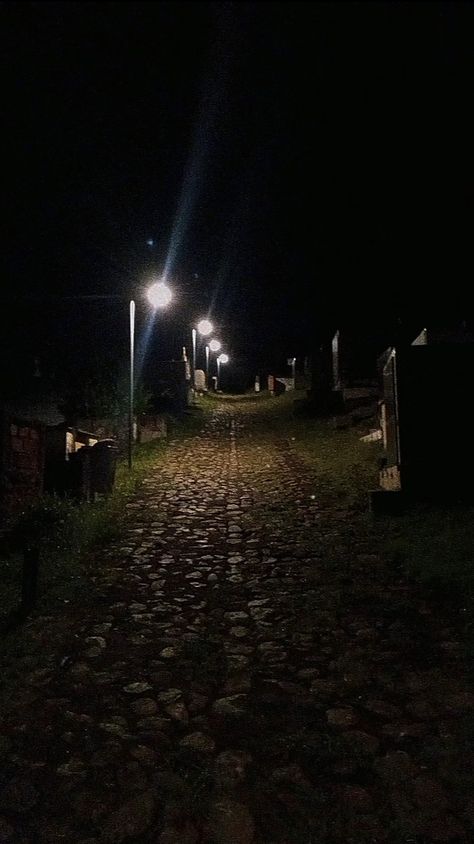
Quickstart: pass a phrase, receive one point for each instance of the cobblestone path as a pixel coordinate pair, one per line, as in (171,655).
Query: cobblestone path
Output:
(250,673)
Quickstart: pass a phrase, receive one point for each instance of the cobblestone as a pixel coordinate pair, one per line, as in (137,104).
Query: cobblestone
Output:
(252,674)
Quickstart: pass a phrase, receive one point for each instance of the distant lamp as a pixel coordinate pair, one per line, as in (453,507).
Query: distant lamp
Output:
(159,295)
(220,360)
(213,346)
(204,327)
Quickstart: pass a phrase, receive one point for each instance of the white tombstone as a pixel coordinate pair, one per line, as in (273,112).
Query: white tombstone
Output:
(200,380)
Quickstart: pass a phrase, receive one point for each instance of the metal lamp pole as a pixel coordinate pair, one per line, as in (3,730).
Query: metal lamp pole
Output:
(207,367)
(214,346)
(223,358)
(194,355)
(204,327)
(159,295)
(131,385)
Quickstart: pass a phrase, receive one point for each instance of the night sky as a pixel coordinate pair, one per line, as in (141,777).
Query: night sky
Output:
(298,166)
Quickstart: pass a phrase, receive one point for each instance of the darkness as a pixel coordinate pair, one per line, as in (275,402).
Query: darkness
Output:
(299,167)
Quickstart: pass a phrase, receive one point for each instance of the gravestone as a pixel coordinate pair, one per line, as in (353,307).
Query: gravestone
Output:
(429,448)
(336,382)
(200,381)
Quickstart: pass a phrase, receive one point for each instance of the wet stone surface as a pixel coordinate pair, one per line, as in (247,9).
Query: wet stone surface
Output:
(252,672)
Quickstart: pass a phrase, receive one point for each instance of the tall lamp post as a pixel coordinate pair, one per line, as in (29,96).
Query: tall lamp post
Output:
(213,346)
(131,383)
(204,327)
(220,360)
(159,296)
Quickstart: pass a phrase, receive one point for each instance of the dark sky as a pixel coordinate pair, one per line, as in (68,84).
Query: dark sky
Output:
(297,165)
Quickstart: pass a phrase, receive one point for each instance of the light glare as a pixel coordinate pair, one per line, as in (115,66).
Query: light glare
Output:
(214,345)
(159,295)
(223,358)
(205,327)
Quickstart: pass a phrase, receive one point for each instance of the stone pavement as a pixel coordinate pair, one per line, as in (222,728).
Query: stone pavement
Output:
(250,672)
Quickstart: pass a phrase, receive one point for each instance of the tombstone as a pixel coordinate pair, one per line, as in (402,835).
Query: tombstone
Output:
(257,383)
(271,384)
(422,339)
(151,427)
(429,448)
(390,411)
(200,381)
(389,477)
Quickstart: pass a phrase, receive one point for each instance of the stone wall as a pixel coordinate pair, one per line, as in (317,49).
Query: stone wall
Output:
(22,462)
(151,427)
(147,427)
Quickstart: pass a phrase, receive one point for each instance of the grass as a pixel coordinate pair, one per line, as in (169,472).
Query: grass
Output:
(432,544)
(435,544)
(344,467)
(66,531)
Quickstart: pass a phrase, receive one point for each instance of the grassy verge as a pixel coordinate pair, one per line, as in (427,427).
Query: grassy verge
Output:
(434,545)
(70,533)
(345,468)
(66,531)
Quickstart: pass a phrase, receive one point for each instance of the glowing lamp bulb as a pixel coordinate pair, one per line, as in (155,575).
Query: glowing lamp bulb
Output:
(214,345)
(159,295)
(205,327)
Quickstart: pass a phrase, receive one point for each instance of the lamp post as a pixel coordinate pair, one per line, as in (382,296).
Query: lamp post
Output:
(293,371)
(204,327)
(159,296)
(220,360)
(131,383)
(193,360)
(207,367)
(214,346)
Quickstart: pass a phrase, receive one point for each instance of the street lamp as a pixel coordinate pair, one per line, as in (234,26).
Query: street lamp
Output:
(213,346)
(204,327)
(292,363)
(220,360)
(159,296)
